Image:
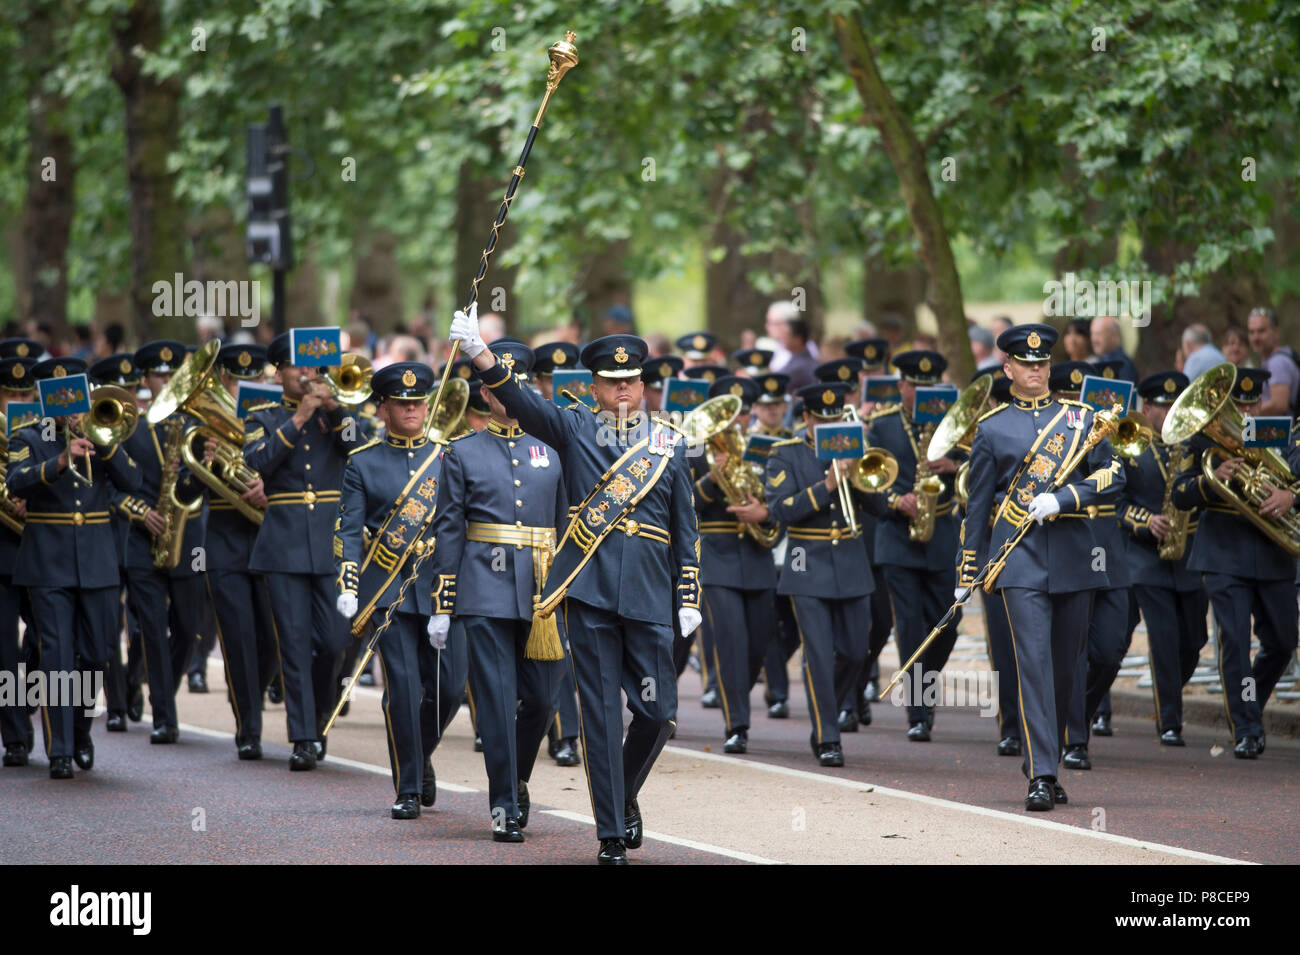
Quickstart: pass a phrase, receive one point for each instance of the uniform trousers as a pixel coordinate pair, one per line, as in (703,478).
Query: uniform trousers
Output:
(920,598)
(148,592)
(15,722)
(515,699)
(1108,641)
(239,601)
(742,625)
(1002,657)
(1176,631)
(834,651)
(610,654)
(311,635)
(75,626)
(1048,632)
(1247,687)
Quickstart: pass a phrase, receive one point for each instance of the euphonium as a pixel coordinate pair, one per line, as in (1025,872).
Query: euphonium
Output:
(444,420)
(1175,543)
(8,509)
(1206,406)
(349,381)
(1133,436)
(196,390)
(712,424)
(956,431)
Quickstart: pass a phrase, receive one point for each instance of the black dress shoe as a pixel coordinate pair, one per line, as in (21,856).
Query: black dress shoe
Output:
(318,748)
(1101,726)
(116,723)
(830,754)
(198,682)
(612,852)
(366,679)
(780,710)
(864,712)
(1009,746)
(919,732)
(1247,748)
(165,734)
(1076,757)
(566,753)
(274,694)
(848,721)
(303,757)
(710,700)
(135,703)
(61,767)
(16,755)
(524,803)
(406,807)
(1041,796)
(552,746)
(1058,794)
(1261,744)
(250,749)
(83,751)
(737,742)
(478,744)
(428,785)
(509,831)
(1171,738)
(345,708)
(632,824)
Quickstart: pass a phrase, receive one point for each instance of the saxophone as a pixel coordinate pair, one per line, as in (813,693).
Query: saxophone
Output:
(927,488)
(8,509)
(1175,542)
(166,548)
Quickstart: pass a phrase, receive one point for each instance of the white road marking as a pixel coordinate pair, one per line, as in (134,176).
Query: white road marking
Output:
(860,784)
(671,840)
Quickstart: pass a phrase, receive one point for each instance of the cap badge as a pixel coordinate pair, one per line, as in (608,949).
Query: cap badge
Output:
(1170,385)
(18,371)
(665,370)
(558,357)
(1033,341)
(60,371)
(843,372)
(1076,377)
(756,358)
(124,366)
(1248,384)
(408,378)
(699,343)
(737,389)
(1108,373)
(508,359)
(924,364)
(463,373)
(828,397)
(620,355)
(771,384)
(244,359)
(165,354)
(22,350)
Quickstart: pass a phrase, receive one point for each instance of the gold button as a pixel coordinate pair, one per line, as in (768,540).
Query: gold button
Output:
(835,542)
(519,523)
(1035,414)
(517,482)
(78,518)
(308,466)
(410,454)
(519,547)
(310,497)
(515,462)
(632,527)
(311,507)
(306,447)
(519,503)
(512,444)
(78,504)
(411,471)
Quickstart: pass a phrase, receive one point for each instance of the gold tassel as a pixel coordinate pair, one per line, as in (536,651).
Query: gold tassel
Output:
(544,635)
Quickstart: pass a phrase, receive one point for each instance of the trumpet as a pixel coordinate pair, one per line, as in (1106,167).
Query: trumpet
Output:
(872,473)
(1206,406)
(111,420)
(349,381)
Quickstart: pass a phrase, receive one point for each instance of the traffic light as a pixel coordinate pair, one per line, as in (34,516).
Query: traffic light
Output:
(268,239)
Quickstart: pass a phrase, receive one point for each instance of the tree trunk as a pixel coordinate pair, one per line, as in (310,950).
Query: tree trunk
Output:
(152,124)
(478,197)
(377,280)
(908,159)
(51,176)
(304,308)
(601,282)
(15,247)
(888,290)
(217,255)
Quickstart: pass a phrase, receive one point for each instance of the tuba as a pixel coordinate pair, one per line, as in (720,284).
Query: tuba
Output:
(1175,543)
(956,431)
(1206,407)
(197,390)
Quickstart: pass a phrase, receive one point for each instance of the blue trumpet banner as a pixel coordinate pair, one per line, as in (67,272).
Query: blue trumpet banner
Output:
(64,396)
(838,440)
(758,447)
(1101,393)
(684,394)
(576,380)
(252,394)
(17,411)
(932,403)
(315,347)
(1270,432)
(882,389)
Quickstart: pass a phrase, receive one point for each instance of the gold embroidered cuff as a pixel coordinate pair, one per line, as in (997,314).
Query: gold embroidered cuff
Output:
(688,587)
(347,579)
(444,595)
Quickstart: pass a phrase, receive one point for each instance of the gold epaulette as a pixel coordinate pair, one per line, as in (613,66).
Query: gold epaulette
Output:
(470,433)
(1076,404)
(881,412)
(992,411)
(786,442)
(263,406)
(368,444)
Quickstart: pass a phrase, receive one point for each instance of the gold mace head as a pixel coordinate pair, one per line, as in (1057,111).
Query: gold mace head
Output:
(564,57)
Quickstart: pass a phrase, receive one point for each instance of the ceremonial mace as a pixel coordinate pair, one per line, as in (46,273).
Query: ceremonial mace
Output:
(564,57)
(1104,424)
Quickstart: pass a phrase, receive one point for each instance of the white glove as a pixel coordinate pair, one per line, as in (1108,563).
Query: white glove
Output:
(439,626)
(960,593)
(464,328)
(1043,506)
(346,605)
(689,618)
